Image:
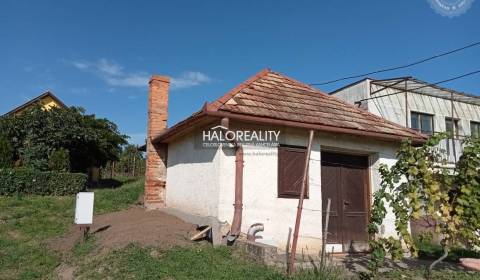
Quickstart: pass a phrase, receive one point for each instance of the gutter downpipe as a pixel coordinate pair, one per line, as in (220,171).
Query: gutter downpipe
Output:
(291,263)
(238,205)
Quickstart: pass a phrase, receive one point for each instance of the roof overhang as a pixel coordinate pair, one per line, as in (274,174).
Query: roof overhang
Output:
(205,117)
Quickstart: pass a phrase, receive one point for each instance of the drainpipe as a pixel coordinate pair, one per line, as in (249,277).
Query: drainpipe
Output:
(238,205)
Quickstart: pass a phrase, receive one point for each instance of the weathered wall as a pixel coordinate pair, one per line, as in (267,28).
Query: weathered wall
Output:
(393,108)
(261,202)
(202,182)
(354,93)
(192,178)
(155,171)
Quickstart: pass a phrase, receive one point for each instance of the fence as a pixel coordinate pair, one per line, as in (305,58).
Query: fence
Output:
(133,167)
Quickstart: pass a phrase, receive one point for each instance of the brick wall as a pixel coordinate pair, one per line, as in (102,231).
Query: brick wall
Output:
(156,170)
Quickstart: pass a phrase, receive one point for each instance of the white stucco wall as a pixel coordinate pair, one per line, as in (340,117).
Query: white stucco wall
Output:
(261,202)
(192,178)
(202,182)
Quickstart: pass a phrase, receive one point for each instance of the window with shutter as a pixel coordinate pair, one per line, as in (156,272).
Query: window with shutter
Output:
(291,162)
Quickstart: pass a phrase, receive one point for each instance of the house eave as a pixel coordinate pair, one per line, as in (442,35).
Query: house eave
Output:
(205,116)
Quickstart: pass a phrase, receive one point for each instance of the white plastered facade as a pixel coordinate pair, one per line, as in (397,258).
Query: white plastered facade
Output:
(201,181)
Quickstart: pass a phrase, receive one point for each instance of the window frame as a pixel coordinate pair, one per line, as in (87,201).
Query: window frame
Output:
(419,122)
(475,123)
(280,189)
(455,125)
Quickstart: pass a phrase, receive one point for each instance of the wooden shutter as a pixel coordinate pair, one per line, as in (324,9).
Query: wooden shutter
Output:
(291,162)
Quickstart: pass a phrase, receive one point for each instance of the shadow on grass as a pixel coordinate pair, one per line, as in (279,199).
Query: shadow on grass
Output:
(359,263)
(111,183)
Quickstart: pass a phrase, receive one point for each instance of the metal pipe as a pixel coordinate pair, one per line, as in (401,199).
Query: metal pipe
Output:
(406,104)
(238,204)
(453,130)
(300,205)
(253,230)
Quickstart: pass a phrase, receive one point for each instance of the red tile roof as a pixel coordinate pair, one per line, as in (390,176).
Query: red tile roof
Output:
(275,98)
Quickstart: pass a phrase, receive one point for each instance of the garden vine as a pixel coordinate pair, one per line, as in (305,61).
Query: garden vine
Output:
(419,184)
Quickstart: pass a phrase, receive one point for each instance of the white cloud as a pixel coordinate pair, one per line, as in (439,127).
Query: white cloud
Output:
(80,65)
(109,67)
(132,80)
(189,79)
(115,75)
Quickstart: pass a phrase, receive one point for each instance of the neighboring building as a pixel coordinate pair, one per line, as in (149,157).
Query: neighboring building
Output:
(239,187)
(46,100)
(419,105)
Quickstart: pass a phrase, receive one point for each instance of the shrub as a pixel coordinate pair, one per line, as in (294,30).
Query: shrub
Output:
(6,152)
(59,160)
(34,156)
(30,181)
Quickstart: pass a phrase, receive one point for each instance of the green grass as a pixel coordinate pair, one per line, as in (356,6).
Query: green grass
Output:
(84,247)
(436,274)
(113,199)
(27,222)
(198,262)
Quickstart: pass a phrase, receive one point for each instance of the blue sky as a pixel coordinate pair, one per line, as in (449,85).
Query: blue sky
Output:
(99,54)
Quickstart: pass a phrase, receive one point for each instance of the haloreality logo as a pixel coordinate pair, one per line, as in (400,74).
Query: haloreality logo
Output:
(450,8)
(220,136)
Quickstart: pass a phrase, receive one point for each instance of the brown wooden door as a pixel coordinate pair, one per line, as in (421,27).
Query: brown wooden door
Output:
(344,181)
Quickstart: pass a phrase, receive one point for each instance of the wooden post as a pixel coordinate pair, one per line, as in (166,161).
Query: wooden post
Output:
(325,232)
(85,229)
(287,249)
(300,206)
(133,171)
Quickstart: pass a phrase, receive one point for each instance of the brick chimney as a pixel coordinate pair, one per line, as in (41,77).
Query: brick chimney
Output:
(156,169)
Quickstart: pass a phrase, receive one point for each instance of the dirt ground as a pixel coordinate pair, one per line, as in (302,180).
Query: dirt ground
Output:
(118,229)
(133,225)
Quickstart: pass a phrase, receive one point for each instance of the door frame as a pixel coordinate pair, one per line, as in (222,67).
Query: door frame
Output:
(367,182)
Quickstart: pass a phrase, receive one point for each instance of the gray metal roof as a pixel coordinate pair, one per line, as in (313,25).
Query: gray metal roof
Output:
(421,87)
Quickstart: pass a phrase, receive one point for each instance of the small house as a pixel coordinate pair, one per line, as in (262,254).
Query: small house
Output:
(239,161)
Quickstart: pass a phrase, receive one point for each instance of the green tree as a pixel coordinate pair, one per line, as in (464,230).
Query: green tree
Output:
(6,152)
(131,160)
(420,184)
(37,133)
(59,160)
